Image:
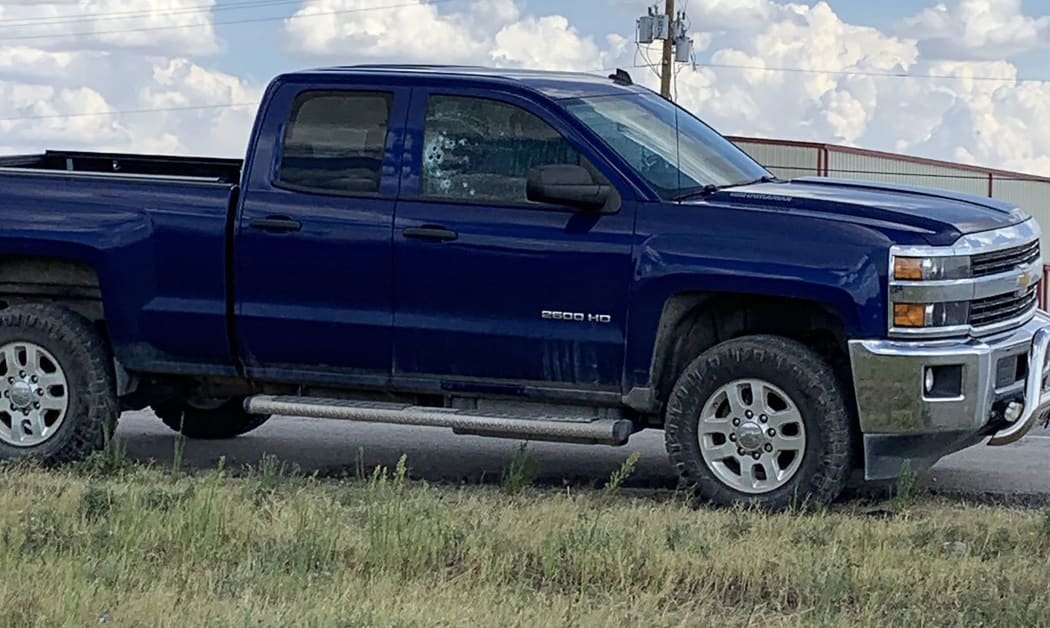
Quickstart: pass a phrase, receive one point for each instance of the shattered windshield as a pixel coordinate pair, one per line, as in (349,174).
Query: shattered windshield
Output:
(674,151)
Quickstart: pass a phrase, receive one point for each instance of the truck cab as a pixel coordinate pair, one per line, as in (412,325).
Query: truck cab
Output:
(548,256)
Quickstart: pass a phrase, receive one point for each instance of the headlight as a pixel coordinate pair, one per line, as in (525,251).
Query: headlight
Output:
(919,315)
(982,283)
(931,268)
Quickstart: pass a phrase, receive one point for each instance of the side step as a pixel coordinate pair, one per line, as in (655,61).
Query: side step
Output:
(597,432)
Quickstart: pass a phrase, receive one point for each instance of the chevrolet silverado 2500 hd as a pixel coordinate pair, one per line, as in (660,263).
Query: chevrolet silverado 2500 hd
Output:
(547,256)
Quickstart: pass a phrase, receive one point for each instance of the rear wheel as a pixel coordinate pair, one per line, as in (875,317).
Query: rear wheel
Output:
(212,421)
(760,420)
(57,393)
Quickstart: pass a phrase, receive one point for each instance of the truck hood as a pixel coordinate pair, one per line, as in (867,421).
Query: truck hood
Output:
(940,215)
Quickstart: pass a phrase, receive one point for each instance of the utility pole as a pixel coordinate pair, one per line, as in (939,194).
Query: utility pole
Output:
(665,58)
(671,29)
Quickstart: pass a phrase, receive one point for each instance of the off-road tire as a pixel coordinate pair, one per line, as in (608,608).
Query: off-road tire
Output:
(226,421)
(813,387)
(86,361)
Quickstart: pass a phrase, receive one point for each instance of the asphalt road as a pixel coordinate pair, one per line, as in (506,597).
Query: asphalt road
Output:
(333,448)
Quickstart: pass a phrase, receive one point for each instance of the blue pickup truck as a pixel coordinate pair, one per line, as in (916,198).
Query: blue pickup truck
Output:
(547,256)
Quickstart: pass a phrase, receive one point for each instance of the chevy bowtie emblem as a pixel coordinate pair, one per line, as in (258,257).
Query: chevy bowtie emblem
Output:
(1023,280)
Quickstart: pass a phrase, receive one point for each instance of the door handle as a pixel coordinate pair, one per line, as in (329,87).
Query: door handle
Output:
(276,224)
(430,232)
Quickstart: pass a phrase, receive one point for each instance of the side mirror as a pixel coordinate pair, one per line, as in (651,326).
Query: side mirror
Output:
(566,185)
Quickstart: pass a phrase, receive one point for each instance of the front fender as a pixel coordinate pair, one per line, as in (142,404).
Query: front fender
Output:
(841,266)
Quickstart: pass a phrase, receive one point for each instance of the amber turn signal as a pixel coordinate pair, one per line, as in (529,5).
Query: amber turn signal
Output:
(907,268)
(909,315)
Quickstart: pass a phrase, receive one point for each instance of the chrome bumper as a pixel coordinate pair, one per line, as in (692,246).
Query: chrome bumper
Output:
(995,372)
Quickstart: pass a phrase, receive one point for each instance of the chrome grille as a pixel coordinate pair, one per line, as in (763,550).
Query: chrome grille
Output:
(1002,307)
(996,262)
(1000,294)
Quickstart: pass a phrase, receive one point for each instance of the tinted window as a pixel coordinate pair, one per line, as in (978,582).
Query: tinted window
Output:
(335,142)
(477,149)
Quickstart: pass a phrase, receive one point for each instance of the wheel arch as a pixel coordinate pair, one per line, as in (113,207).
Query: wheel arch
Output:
(693,322)
(67,282)
(63,281)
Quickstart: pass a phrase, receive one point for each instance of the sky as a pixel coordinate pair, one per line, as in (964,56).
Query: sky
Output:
(960,80)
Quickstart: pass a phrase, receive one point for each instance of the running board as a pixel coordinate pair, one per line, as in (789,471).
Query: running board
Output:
(596,432)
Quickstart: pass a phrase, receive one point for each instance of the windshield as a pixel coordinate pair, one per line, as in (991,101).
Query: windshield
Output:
(674,151)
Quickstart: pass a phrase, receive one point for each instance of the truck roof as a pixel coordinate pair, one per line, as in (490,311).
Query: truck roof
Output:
(554,84)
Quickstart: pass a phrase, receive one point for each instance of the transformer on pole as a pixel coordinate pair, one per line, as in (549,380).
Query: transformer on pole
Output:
(677,46)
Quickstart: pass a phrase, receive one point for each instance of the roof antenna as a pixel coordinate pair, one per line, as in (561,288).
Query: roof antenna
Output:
(621,77)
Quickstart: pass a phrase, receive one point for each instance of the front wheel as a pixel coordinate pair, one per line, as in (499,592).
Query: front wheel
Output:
(760,420)
(215,421)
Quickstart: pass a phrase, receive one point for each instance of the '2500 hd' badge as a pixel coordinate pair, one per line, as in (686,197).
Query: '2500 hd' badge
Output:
(579,317)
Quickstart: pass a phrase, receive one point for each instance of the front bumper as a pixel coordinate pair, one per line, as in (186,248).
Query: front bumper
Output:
(903,424)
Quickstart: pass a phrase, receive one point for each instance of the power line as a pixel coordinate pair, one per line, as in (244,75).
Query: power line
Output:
(127,15)
(120,112)
(297,16)
(730,66)
(99,114)
(631,66)
(638,50)
(93,15)
(901,75)
(245,4)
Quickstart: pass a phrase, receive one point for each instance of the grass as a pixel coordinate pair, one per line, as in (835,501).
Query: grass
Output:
(117,543)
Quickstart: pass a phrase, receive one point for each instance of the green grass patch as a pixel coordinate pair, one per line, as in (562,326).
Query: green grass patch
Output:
(132,546)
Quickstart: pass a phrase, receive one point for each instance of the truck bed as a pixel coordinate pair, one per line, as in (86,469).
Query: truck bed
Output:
(158,228)
(212,169)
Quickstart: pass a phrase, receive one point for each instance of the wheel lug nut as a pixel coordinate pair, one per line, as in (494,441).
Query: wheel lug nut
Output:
(10,380)
(763,418)
(36,405)
(736,422)
(34,379)
(40,392)
(756,455)
(749,414)
(740,451)
(21,373)
(772,432)
(768,448)
(732,437)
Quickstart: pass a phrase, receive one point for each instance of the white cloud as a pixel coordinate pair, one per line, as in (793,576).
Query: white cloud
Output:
(977,29)
(748,43)
(181,83)
(963,116)
(54,88)
(489,32)
(413,32)
(528,42)
(48,105)
(142,25)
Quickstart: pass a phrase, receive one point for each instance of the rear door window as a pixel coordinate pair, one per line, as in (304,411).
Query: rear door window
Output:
(334,142)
